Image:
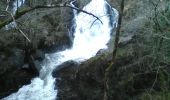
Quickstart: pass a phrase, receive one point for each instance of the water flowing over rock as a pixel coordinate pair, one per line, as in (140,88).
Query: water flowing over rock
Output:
(90,34)
(16,5)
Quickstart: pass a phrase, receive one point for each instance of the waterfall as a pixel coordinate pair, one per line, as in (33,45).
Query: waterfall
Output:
(90,36)
(16,4)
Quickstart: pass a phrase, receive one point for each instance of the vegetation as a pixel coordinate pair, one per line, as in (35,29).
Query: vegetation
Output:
(146,75)
(136,69)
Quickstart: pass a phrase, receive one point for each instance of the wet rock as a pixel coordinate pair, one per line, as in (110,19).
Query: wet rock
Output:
(10,82)
(65,68)
(49,31)
(37,65)
(65,74)
(34,66)
(101,51)
(12,75)
(80,82)
(56,42)
(11,60)
(82,3)
(17,57)
(39,55)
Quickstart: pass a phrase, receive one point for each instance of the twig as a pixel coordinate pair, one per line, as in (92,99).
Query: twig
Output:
(68,5)
(97,19)
(157,72)
(164,37)
(2,15)
(16,26)
(7,5)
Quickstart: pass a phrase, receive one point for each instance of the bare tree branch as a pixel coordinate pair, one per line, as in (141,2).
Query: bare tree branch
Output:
(20,13)
(97,19)
(83,12)
(16,26)
(7,5)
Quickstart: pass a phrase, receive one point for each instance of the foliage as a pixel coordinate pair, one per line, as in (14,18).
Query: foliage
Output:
(141,71)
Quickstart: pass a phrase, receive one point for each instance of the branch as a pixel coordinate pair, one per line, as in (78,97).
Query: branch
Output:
(20,13)
(16,26)
(83,12)
(97,19)
(7,5)
(162,36)
(156,78)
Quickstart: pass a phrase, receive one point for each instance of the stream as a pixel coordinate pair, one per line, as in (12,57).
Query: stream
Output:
(89,37)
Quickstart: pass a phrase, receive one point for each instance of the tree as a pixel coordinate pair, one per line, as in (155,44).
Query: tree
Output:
(116,43)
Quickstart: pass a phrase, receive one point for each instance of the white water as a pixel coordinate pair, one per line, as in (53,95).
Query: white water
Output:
(88,40)
(16,5)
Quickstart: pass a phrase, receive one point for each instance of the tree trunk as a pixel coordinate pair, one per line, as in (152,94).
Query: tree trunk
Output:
(106,85)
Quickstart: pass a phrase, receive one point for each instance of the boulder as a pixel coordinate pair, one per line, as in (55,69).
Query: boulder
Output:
(65,68)
(38,55)
(80,81)
(82,3)
(12,75)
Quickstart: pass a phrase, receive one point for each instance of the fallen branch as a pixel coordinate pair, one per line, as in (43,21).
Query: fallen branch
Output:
(16,26)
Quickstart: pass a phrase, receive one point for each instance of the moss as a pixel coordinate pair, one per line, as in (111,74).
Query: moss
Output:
(153,96)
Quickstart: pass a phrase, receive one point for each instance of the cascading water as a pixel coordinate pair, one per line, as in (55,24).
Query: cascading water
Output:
(17,4)
(90,36)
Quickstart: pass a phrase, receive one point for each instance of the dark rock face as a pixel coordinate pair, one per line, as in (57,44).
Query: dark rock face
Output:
(48,29)
(82,3)
(11,60)
(80,81)
(12,75)
(14,80)
(65,75)
(101,51)
(39,55)
(126,80)
(55,43)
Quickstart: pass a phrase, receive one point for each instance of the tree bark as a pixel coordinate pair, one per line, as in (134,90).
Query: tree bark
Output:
(116,43)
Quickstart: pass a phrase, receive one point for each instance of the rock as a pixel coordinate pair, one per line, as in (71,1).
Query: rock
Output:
(65,74)
(101,51)
(17,57)
(25,66)
(39,55)
(56,42)
(80,82)
(49,30)
(12,75)
(10,82)
(82,3)
(37,65)
(65,68)
(34,66)
(11,60)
